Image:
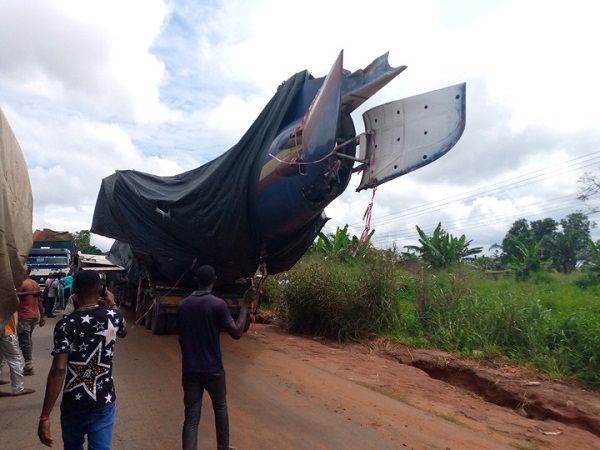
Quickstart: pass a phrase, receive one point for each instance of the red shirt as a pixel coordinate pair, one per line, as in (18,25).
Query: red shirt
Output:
(28,308)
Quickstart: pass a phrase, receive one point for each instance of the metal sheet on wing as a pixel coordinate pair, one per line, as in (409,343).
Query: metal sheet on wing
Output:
(410,133)
(361,85)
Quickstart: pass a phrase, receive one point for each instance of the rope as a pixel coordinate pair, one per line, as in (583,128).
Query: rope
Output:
(155,299)
(367,218)
(295,162)
(264,273)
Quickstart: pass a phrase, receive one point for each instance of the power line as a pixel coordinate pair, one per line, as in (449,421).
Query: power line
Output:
(506,186)
(568,202)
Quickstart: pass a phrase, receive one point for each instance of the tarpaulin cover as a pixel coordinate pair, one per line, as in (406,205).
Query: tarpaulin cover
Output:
(206,213)
(16,205)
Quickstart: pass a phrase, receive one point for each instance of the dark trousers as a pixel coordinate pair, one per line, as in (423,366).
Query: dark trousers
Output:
(66,295)
(49,306)
(194,385)
(24,332)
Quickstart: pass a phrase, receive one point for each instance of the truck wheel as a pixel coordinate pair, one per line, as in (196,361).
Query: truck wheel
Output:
(148,318)
(159,323)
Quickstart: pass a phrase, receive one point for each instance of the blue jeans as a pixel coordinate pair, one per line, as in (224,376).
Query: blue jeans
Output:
(97,424)
(194,385)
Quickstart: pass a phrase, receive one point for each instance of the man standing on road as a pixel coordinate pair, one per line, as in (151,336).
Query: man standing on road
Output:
(11,353)
(67,283)
(200,318)
(30,314)
(84,343)
(50,293)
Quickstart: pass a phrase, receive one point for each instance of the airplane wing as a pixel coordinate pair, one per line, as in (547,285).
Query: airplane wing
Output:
(407,134)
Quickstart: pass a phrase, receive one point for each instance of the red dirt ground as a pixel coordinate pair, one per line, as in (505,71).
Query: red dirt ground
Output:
(537,410)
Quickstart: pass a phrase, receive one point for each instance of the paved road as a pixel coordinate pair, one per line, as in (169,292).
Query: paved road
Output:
(278,399)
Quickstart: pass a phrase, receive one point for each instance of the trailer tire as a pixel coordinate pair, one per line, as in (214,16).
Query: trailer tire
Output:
(159,322)
(148,317)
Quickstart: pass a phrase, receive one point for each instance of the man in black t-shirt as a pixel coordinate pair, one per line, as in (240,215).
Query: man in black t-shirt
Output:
(84,344)
(200,318)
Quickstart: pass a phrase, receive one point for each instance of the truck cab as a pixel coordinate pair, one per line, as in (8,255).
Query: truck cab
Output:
(44,261)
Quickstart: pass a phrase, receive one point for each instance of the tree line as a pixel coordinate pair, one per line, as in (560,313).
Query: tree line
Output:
(527,247)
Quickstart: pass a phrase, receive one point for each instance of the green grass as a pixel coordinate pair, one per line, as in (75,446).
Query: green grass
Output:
(548,321)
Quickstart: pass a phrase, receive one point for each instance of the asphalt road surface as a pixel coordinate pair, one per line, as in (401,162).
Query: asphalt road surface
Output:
(282,394)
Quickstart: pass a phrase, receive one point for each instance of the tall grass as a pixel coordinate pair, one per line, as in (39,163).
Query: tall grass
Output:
(333,299)
(549,321)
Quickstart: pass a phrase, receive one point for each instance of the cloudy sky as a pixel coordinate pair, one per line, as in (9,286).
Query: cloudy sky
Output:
(162,86)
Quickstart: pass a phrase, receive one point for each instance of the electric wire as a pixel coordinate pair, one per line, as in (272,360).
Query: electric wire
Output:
(531,211)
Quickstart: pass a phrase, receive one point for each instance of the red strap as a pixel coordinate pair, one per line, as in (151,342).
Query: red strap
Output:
(367,218)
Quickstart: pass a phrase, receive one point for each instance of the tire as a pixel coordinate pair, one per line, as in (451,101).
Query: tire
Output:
(159,322)
(148,316)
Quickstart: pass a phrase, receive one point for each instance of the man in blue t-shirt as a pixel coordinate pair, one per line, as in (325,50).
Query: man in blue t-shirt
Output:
(84,344)
(200,318)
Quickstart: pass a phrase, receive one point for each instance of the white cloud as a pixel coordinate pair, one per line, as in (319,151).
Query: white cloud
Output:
(164,86)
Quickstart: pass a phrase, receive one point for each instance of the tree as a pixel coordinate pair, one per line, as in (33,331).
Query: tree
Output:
(589,188)
(442,249)
(83,242)
(526,234)
(571,243)
(563,243)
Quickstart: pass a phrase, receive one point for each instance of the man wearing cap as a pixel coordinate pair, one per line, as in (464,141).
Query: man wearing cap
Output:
(200,318)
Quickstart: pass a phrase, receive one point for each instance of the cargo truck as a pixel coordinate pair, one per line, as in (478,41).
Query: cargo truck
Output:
(260,205)
(52,252)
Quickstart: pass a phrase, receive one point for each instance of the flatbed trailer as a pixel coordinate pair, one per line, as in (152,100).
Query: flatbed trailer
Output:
(155,305)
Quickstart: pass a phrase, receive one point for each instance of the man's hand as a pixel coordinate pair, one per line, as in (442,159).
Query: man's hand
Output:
(42,322)
(108,299)
(44,433)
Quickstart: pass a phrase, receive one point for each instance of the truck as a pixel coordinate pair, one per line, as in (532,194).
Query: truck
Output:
(257,208)
(16,218)
(155,300)
(51,252)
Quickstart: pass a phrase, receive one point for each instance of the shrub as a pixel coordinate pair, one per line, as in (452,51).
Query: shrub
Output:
(342,301)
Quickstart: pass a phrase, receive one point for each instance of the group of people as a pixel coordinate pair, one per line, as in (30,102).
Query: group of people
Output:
(16,343)
(82,364)
(57,292)
(16,338)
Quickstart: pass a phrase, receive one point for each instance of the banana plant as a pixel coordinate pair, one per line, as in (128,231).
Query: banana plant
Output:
(528,259)
(341,246)
(442,249)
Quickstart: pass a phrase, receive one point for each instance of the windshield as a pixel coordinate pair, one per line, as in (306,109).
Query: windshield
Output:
(48,260)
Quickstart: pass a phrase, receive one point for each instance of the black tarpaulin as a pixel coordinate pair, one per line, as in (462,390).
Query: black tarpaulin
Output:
(207,213)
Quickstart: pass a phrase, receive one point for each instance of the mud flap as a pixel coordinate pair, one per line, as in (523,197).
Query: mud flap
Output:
(407,134)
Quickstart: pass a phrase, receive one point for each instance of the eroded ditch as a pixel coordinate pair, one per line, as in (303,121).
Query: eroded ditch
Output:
(522,399)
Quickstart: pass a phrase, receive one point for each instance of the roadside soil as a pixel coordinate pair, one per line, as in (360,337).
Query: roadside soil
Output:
(515,404)
(299,392)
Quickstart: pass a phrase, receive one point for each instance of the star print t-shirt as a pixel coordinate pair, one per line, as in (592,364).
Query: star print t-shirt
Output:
(89,339)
